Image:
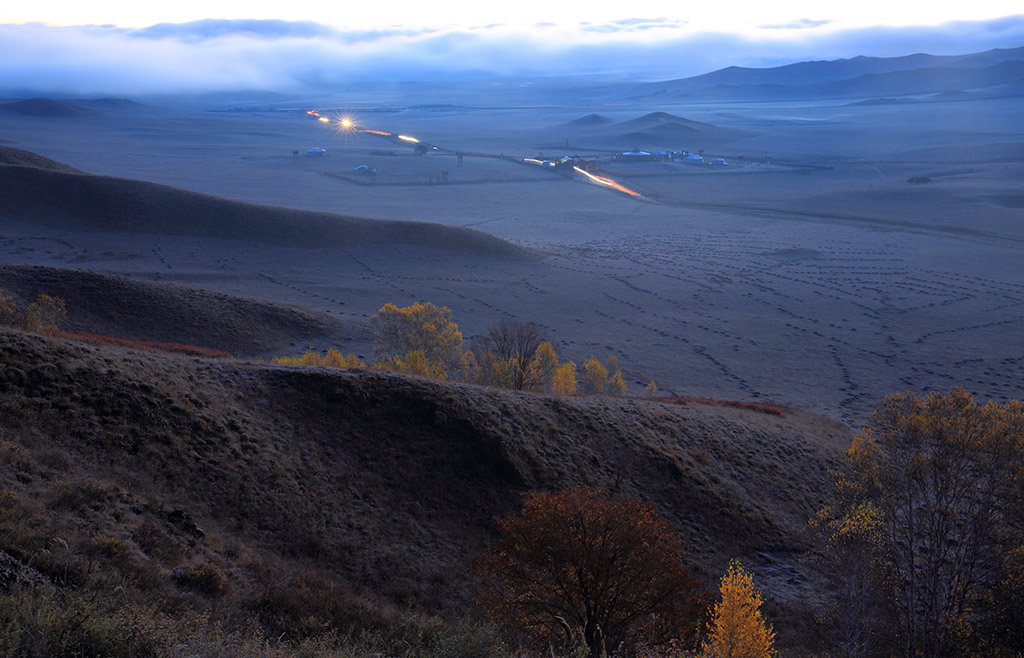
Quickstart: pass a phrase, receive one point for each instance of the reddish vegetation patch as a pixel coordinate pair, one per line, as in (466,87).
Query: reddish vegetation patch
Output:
(142,344)
(761,407)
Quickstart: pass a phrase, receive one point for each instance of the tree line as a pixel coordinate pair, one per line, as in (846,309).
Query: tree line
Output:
(422,339)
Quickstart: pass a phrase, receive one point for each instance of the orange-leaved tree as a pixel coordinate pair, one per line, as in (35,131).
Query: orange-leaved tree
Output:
(582,568)
(738,629)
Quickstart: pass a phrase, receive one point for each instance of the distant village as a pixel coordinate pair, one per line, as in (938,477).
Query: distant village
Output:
(636,155)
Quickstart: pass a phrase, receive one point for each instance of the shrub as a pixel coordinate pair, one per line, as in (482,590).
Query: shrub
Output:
(590,570)
(333,359)
(206,578)
(45,314)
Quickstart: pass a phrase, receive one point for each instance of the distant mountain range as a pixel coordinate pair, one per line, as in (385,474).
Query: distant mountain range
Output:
(990,73)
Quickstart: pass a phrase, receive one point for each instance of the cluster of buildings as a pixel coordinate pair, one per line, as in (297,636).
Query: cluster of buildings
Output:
(686,157)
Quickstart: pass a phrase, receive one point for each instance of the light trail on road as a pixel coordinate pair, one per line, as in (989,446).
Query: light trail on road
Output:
(601,180)
(348,124)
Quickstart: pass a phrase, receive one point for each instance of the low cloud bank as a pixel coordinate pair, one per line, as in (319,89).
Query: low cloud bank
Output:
(288,56)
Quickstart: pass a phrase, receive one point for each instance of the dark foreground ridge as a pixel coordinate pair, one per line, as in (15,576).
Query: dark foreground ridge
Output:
(84,202)
(378,487)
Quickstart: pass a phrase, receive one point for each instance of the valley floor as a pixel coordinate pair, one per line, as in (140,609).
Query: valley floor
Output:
(821,281)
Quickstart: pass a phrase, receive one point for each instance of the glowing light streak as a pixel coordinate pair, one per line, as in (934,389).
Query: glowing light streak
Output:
(323,120)
(601,180)
(406,138)
(533,160)
(374,132)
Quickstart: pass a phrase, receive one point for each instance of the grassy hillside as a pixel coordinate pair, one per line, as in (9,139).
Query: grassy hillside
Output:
(124,307)
(20,157)
(74,201)
(328,498)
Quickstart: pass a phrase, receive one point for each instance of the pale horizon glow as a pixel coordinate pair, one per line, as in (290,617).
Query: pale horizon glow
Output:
(728,17)
(110,48)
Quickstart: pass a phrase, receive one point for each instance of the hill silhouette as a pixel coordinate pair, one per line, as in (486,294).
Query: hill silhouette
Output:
(591,120)
(858,77)
(101,203)
(652,130)
(46,108)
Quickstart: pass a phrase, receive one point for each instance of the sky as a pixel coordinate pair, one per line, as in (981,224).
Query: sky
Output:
(120,48)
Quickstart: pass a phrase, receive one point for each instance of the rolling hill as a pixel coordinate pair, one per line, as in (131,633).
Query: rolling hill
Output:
(342,497)
(653,130)
(56,197)
(47,108)
(125,307)
(859,77)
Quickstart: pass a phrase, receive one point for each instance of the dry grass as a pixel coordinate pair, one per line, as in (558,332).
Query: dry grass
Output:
(339,499)
(761,407)
(19,157)
(135,344)
(164,316)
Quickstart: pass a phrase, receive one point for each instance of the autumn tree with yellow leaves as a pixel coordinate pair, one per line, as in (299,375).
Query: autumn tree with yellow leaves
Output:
(563,382)
(595,377)
(417,333)
(943,477)
(738,629)
(542,368)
